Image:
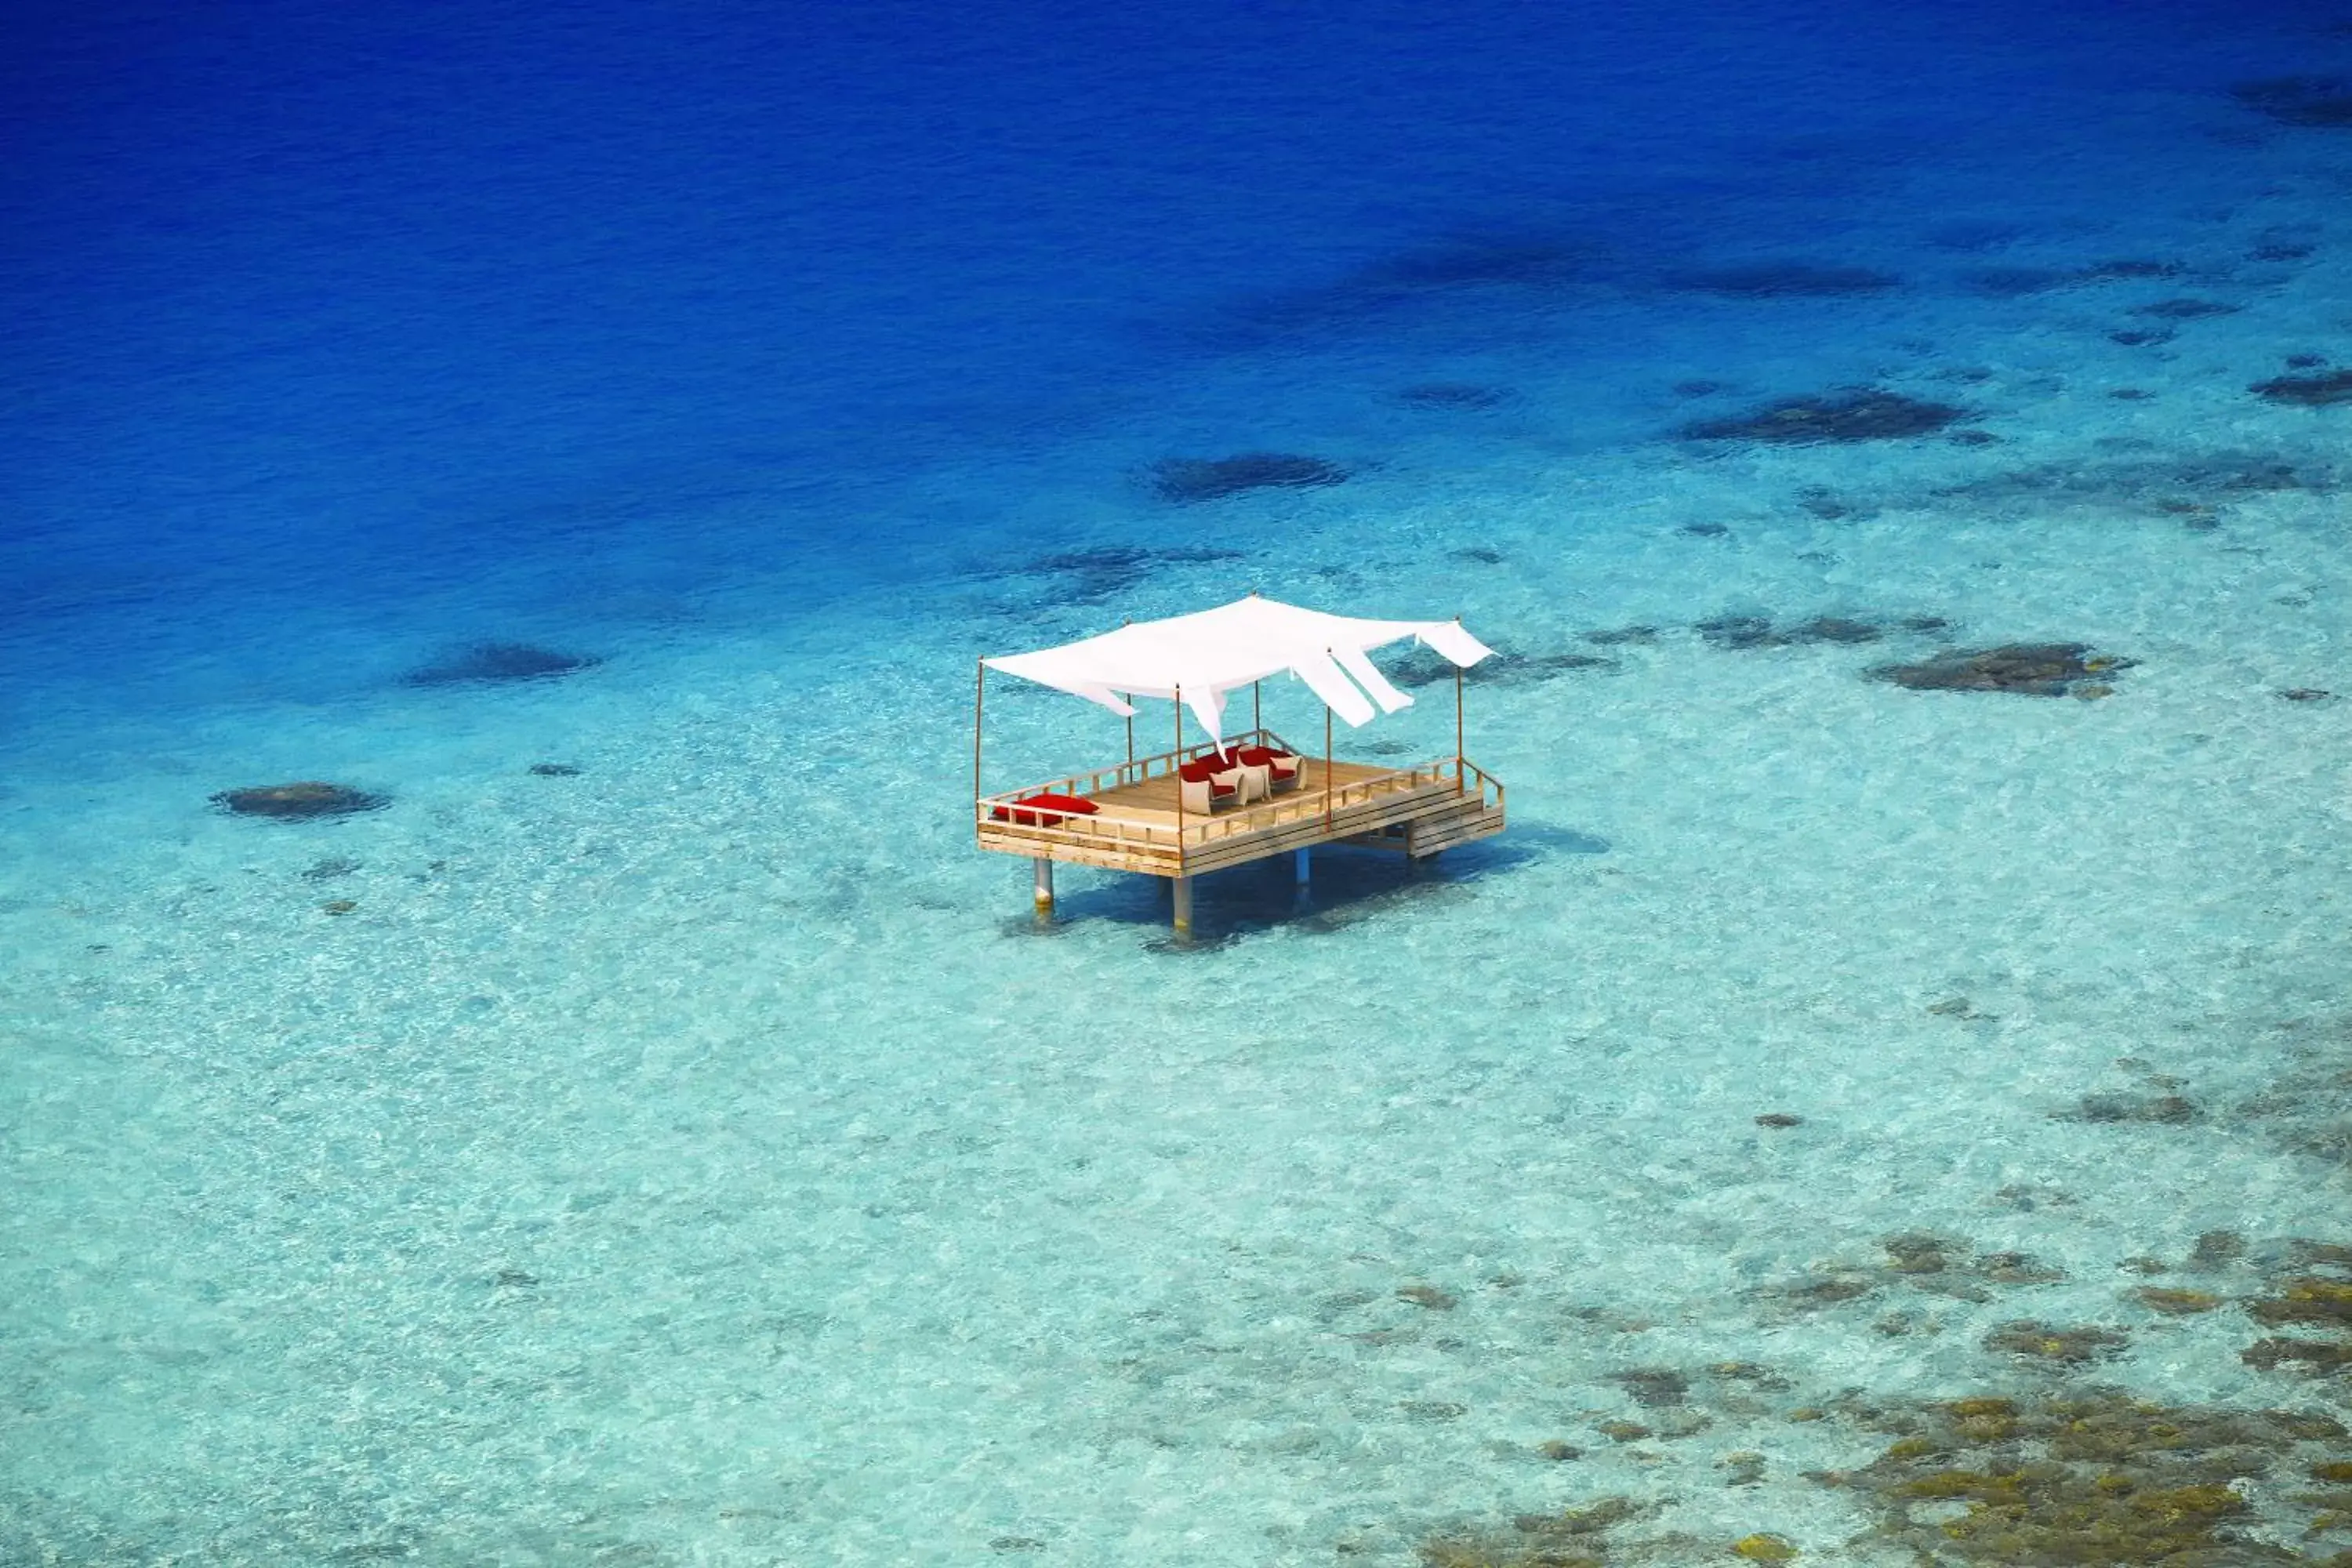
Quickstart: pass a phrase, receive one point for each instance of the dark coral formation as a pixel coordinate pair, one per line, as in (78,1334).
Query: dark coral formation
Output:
(1745,632)
(2064,1474)
(2125,486)
(1529,261)
(299,802)
(1191,479)
(1654,1386)
(1106,571)
(1472,260)
(485,662)
(2019,280)
(2093,1478)
(2032,669)
(2186,309)
(2035,1342)
(2307,391)
(2165,1109)
(2317,1355)
(554,770)
(2306,1299)
(1423,667)
(1571,1538)
(1921,1260)
(2216,1250)
(1867,414)
(2316,1294)
(1760,631)
(1453,395)
(2321,102)
(1784,279)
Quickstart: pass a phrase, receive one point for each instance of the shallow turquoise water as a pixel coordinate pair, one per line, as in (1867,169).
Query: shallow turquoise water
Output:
(702,1158)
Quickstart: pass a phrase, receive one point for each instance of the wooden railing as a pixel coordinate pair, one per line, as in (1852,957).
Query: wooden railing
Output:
(1299,805)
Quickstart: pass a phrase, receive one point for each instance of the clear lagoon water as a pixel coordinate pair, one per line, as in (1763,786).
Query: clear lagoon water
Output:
(658,1138)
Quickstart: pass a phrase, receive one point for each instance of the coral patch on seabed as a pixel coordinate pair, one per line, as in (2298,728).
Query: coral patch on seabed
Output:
(2169,1110)
(1189,480)
(2186,309)
(2307,391)
(2038,1342)
(1867,415)
(1105,571)
(2094,1479)
(309,799)
(2061,1474)
(1786,279)
(1453,395)
(1760,631)
(2009,281)
(1423,668)
(2320,102)
(490,662)
(2032,669)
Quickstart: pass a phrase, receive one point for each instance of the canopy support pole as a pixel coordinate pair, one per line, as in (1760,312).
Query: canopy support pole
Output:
(1181,888)
(1327,767)
(1458,771)
(978,696)
(1128,621)
(1257,711)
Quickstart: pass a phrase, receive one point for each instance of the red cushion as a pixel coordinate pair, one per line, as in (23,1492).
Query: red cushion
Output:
(1216,789)
(1207,768)
(1056,807)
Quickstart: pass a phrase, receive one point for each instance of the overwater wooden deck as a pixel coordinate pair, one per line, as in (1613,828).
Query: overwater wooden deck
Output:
(1137,824)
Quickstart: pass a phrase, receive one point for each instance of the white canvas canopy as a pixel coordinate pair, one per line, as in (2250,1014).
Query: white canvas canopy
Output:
(1211,653)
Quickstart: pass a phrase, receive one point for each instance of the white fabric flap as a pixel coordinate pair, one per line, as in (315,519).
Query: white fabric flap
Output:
(1210,653)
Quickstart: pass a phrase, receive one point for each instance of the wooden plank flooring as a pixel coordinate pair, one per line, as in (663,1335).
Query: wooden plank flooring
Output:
(1153,801)
(1135,826)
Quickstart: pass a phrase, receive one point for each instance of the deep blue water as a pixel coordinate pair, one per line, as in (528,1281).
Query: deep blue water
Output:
(339,303)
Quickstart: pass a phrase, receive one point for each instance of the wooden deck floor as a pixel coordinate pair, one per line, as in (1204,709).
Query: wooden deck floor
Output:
(1419,809)
(1153,801)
